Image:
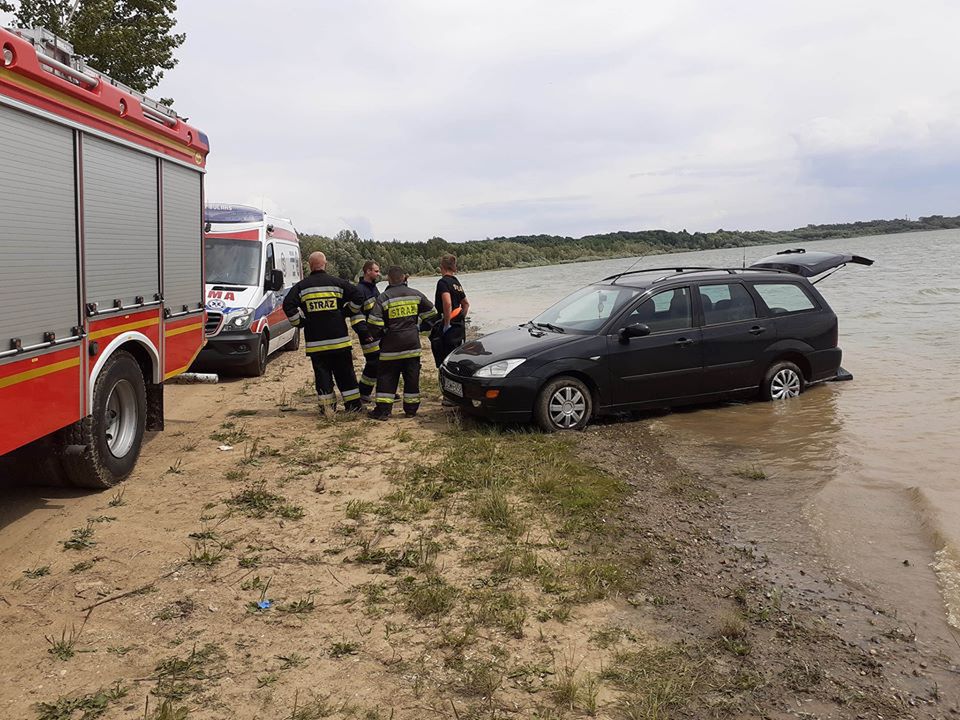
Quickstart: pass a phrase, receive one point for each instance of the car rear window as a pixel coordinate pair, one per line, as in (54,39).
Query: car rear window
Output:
(784,298)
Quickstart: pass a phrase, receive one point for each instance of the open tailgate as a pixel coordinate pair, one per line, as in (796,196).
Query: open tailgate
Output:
(809,264)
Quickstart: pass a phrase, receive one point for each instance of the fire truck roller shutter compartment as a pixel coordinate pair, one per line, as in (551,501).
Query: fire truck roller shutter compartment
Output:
(121,239)
(37,204)
(182,243)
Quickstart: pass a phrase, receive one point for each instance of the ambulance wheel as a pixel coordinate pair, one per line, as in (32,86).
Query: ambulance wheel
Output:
(295,343)
(258,363)
(102,449)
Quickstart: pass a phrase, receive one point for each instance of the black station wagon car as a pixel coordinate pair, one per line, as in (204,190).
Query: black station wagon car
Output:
(656,338)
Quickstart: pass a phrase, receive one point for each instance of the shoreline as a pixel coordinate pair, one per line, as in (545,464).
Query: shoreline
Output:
(431,568)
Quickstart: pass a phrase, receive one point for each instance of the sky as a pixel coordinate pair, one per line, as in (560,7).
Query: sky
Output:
(407,119)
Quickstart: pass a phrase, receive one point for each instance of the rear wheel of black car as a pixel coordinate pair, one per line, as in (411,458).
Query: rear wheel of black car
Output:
(784,380)
(564,403)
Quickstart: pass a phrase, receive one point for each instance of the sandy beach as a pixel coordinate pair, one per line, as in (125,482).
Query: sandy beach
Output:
(437,568)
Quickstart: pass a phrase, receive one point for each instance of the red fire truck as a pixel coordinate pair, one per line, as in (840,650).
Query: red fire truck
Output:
(101,261)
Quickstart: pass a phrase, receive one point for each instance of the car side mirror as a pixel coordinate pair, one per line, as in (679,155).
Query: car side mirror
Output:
(274,280)
(634,330)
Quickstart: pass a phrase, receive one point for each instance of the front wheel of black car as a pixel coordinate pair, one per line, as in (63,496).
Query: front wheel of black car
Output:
(783,380)
(564,403)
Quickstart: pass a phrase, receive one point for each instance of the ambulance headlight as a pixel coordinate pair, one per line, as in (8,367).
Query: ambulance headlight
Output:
(240,321)
(499,369)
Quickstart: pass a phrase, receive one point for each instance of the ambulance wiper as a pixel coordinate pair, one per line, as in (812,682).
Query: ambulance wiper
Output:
(549,326)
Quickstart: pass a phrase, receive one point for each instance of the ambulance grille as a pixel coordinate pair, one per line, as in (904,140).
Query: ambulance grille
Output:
(212,326)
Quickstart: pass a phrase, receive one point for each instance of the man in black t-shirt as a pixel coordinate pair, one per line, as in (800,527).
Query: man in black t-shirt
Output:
(451,301)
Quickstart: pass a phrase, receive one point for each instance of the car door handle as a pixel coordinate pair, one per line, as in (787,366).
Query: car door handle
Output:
(684,342)
(756,330)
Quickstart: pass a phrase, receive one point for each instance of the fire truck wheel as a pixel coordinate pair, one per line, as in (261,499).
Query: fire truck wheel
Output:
(258,364)
(295,343)
(111,437)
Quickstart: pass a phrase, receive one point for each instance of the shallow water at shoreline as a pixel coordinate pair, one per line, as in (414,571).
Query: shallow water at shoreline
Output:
(882,449)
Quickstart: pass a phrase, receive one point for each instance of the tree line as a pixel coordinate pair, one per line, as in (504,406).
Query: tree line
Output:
(346,251)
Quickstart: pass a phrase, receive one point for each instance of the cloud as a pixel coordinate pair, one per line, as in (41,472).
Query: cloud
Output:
(467,120)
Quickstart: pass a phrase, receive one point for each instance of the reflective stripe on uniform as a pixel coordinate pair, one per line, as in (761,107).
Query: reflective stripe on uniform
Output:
(432,312)
(401,299)
(334,344)
(386,398)
(374,320)
(353,307)
(365,380)
(371,347)
(411,399)
(369,303)
(356,319)
(348,395)
(402,355)
(325,291)
(330,399)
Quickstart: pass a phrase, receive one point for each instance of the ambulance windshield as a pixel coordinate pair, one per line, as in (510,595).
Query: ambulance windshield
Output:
(232,262)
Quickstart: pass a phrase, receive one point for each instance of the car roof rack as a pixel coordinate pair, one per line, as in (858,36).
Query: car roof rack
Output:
(674,268)
(673,271)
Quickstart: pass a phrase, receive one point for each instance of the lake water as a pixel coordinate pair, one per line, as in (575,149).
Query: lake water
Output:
(881,453)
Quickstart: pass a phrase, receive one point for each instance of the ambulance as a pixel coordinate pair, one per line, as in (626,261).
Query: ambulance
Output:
(252,260)
(101,263)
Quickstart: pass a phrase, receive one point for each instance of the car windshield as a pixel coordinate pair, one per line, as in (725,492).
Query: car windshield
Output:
(232,262)
(586,309)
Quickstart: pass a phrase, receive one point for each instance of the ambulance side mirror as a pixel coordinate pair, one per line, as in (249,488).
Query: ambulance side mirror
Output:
(274,280)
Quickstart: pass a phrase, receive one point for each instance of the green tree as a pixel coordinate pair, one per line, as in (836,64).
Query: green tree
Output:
(129,40)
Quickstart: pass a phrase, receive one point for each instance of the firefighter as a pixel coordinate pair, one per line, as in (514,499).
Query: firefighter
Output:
(370,345)
(319,303)
(396,316)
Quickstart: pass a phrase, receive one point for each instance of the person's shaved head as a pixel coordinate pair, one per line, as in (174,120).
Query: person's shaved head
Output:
(317,261)
(395,275)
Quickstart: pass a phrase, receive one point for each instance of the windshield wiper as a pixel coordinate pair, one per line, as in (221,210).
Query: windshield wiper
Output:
(549,326)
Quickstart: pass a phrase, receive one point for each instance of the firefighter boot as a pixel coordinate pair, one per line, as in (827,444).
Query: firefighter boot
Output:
(380,412)
(326,406)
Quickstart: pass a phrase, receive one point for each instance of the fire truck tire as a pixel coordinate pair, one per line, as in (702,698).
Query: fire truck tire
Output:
(111,437)
(258,363)
(294,344)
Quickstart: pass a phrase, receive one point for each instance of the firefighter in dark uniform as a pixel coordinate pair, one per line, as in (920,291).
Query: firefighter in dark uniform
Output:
(397,316)
(320,303)
(370,345)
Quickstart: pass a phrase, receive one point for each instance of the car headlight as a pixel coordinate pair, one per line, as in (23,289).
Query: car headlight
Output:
(240,321)
(499,369)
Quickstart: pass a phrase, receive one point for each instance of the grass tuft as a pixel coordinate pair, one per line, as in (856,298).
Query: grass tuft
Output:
(750,472)
(178,677)
(432,597)
(81,707)
(65,647)
(80,539)
(256,501)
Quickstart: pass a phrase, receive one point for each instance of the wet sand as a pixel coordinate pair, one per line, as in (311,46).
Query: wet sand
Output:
(881,451)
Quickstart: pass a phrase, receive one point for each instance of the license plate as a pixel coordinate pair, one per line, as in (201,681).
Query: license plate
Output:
(454,388)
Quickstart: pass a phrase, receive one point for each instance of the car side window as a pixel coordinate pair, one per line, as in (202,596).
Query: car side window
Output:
(725,303)
(667,310)
(784,298)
